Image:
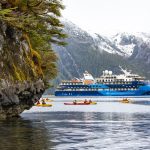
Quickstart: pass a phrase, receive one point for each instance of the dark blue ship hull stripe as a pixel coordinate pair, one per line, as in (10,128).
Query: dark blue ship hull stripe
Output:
(134,89)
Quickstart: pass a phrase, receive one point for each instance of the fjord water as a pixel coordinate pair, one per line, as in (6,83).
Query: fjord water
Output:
(105,126)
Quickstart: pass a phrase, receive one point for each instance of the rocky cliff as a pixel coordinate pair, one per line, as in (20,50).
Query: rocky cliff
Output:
(27,61)
(21,84)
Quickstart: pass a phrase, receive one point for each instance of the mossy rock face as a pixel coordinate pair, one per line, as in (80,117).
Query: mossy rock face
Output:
(17,58)
(21,77)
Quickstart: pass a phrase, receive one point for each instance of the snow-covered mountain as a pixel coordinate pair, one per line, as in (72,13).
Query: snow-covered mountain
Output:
(95,53)
(128,43)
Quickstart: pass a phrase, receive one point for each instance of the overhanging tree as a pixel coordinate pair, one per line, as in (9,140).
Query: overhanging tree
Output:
(40,24)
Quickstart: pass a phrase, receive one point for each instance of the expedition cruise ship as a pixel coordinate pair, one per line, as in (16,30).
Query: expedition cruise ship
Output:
(108,84)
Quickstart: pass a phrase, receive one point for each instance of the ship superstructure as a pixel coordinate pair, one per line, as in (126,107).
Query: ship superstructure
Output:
(108,84)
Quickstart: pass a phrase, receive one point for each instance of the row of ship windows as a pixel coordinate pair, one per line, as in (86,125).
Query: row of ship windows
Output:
(114,89)
(97,87)
(71,84)
(123,89)
(112,80)
(106,82)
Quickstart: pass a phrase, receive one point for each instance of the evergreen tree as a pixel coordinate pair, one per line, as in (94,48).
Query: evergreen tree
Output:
(39,21)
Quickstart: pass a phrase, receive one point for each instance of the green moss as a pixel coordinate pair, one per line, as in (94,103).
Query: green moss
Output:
(33,59)
(36,55)
(18,73)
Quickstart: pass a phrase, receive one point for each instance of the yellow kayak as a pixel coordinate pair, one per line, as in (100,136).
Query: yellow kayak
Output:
(49,100)
(125,101)
(43,105)
(93,103)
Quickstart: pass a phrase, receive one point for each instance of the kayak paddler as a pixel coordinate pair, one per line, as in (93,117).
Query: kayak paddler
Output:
(43,102)
(75,102)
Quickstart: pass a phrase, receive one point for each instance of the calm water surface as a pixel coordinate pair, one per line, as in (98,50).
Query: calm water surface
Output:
(105,126)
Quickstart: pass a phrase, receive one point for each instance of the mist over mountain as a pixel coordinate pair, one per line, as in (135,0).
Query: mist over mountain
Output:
(95,53)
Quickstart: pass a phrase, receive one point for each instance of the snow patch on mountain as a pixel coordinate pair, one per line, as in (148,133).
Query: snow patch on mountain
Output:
(123,44)
(92,34)
(144,36)
(127,49)
(104,46)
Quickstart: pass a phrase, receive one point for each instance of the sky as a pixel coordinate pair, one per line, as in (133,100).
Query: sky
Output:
(109,16)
